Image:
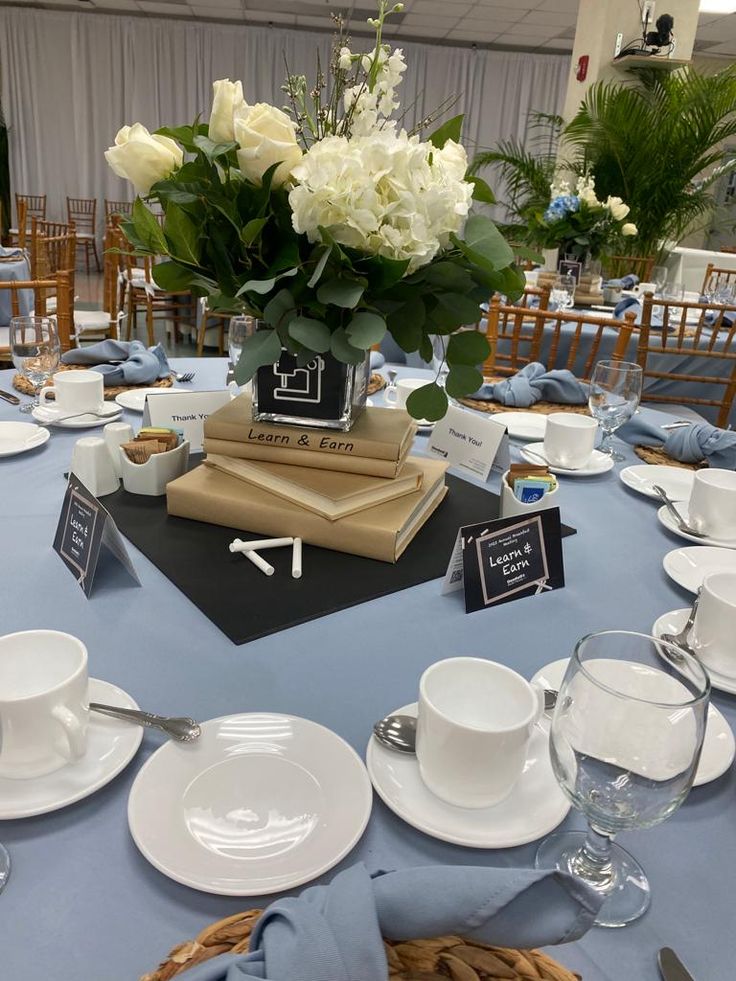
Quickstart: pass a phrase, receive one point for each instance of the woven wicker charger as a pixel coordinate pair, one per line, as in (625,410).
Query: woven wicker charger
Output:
(653,454)
(438,959)
(23,385)
(543,408)
(375,383)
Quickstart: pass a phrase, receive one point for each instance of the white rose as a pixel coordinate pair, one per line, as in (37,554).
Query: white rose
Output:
(587,196)
(227,101)
(629,229)
(266,136)
(618,209)
(142,157)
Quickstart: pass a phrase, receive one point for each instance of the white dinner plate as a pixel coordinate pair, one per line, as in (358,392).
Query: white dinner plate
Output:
(535,807)
(522,425)
(719,745)
(689,566)
(19,437)
(135,400)
(111,745)
(598,463)
(672,623)
(258,804)
(50,417)
(676,481)
(668,521)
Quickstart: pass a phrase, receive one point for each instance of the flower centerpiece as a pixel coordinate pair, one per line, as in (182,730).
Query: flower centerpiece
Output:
(330,225)
(581,226)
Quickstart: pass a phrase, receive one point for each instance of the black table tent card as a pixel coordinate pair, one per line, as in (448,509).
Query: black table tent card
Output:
(85,528)
(506,559)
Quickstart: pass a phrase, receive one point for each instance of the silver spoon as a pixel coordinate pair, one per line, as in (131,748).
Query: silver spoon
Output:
(399,732)
(682,639)
(670,504)
(184,730)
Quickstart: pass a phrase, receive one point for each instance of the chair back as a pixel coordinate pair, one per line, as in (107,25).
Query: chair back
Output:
(541,331)
(515,330)
(111,269)
(82,212)
(53,247)
(717,277)
(688,332)
(117,208)
(22,214)
(35,205)
(617,266)
(57,285)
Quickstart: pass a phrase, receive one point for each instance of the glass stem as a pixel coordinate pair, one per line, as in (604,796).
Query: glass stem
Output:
(605,444)
(592,861)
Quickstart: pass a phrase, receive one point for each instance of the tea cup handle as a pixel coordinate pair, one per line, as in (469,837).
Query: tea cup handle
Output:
(73,729)
(42,395)
(391,395)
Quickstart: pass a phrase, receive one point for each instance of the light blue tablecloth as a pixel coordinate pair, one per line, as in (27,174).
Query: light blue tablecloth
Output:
(14,272)
(82,902)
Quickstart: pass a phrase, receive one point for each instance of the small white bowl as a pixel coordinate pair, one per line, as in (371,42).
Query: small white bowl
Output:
(511,505)
(151,477)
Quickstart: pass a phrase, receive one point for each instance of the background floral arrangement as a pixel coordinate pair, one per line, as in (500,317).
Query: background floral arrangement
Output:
(325,220)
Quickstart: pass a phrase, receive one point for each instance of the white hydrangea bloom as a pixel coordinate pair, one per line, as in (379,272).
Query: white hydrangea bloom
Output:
(371,104)
(385,194)
(558,188)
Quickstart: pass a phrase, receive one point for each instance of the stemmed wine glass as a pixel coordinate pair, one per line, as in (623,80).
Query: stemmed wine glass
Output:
(659,278)
(240,328)
(563,292)
(625,743)
(35,350)
(615,393)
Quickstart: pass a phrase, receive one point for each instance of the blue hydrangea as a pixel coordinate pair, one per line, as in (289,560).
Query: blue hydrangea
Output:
(562,206)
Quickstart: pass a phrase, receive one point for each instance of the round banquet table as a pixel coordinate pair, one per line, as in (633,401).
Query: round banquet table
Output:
(83,903)
(13,271)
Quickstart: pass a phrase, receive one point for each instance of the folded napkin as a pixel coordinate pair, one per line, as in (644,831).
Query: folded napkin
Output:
(11,253)
(689,444)
(624,283)
(333,933)
(533,384)
(629,303)
(139,365)
(729,318)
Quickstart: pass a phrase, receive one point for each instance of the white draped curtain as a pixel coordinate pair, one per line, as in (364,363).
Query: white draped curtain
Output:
(69,81)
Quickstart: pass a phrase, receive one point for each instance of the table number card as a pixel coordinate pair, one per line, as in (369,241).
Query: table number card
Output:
(84,528)
(499,561)
(471,442)
(186,411)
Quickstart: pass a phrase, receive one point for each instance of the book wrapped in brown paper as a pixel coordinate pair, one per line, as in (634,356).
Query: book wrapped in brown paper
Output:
(378,434)
(332,494)
(382,532)
(314,459)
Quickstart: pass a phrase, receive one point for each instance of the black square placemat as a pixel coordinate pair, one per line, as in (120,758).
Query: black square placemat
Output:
(245,604)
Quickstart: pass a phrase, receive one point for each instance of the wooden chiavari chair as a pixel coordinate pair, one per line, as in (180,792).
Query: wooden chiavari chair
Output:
(208,319)
(116,208)
(82,213)
(716,277)
(516,330)
(103,322)
(33,206)
(58,286)
(617,266)
(542,331)
(690,330)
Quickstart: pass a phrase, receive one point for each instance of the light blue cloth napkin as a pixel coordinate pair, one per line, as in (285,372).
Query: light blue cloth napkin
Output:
(687,444)
(533,384)
(11,252)
(333,933)
(629,303)
(139,365)
(624,283)
(729,318)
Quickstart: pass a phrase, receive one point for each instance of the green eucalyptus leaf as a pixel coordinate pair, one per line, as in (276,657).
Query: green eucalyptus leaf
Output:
(426,353)
(521,252)
(482,236)
(468,347)
(405,324)
(463,380)
(451,130)
(366,329)
(313,334)
(252,230)
(182,235)
(320,267)
(343,293)
(279,309)
(447,276)
(343,350)
(428,402)
(147,229)
(175,278)
(481,190)
(460,307)
(261,348)
(263,286)
(382,272)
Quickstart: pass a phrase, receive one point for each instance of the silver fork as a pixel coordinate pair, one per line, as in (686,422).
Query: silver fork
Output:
(183,376)
(670,504)
(681,639)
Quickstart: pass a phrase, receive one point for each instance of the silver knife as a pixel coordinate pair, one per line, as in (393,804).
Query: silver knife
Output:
(671,967)
(13,399)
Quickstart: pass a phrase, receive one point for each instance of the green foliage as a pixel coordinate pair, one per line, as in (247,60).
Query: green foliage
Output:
(450,130)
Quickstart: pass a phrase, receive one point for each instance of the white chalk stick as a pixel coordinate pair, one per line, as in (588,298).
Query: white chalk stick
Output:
(260,563)
(296,559)
(238,546)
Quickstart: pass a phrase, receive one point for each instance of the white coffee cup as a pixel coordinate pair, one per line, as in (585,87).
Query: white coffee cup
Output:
(474,723)
(92,463)
(641,288)
(712,506)
(569,439)
(43,702)
(76,391)
(714,631)
(398,394)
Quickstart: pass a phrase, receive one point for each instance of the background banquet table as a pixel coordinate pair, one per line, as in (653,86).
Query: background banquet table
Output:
(82,902)
(16,271)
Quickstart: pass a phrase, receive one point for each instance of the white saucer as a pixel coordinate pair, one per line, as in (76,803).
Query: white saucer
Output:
(522,425)
(19,437)
(719,745)
(668,521)
(258,804)
(689,566)
(535,807)
(50,417)
(135,400)
(423,425)
(111,745)
(672,623)
(598,463)
(676,481)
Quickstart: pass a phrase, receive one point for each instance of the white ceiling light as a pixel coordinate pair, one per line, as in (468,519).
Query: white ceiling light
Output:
(718,6)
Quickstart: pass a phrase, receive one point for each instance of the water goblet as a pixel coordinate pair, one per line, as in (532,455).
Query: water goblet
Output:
(35,350)
(659,278)
(615,393)
(625,742)
(673,291)
(563,292)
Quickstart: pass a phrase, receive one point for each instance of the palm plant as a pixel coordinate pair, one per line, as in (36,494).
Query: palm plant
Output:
(658,145)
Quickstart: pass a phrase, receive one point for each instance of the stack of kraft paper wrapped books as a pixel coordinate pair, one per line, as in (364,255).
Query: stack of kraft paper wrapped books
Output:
(358,492)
